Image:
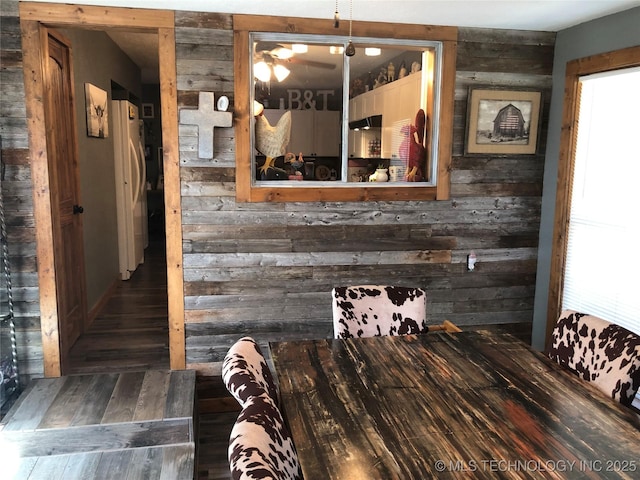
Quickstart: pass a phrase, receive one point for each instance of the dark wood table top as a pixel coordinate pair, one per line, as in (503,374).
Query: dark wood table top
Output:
(474,404)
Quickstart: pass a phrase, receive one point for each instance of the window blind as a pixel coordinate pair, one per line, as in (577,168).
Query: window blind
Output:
(602,274)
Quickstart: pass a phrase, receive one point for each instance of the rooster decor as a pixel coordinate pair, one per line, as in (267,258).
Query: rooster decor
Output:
(272,141)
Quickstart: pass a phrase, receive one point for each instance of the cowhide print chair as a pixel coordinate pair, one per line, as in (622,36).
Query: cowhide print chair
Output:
(376,310)
(245,372)
(260,444)
(598,351)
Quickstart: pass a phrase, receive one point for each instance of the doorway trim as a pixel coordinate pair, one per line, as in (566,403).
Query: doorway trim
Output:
(605,62)
(33,16)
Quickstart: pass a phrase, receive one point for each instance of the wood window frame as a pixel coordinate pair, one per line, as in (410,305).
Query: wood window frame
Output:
(247,191)
(604,62)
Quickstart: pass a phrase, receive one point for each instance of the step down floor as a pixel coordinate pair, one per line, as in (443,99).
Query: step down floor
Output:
(115,425)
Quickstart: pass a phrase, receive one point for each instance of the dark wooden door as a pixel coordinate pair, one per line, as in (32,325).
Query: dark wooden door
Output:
(64,184)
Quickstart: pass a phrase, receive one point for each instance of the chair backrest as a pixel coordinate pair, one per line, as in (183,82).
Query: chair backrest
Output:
(376,310)
(245,372)
(599,351)
(260,444)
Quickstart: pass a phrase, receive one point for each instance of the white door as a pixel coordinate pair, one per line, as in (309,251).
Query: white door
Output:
(144,217)
(130,187)
(123,180)
(138,187)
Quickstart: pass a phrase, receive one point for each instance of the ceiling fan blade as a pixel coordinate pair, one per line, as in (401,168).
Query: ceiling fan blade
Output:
(267,46)
(311,63)
(276,50)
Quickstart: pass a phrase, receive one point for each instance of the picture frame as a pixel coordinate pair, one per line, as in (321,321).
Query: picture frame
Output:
(147,110)
(501,121)
(97,107)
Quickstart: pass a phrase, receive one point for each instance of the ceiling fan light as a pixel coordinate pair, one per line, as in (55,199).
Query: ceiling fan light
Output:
(258,108)
(262,71)
(299,48)
(281,72)
(282,52)
(336,50)
(372,51)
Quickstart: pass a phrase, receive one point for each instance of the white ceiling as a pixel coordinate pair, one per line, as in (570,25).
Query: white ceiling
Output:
(541,15)
(142,48)
(547,15)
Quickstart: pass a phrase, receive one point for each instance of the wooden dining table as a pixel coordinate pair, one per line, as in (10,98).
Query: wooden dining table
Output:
(475,404)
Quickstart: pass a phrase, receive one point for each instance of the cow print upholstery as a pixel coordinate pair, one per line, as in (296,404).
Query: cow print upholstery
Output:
(245,372)
(260,445)
(376,310)
(598,351)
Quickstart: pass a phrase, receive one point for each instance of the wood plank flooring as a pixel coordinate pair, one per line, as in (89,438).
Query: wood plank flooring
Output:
(131,334)
(133,425)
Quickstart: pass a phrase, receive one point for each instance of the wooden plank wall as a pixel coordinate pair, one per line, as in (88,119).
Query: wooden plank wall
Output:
(17,198)
(267,270)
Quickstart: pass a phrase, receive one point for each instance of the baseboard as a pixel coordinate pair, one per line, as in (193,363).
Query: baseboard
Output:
(102,301)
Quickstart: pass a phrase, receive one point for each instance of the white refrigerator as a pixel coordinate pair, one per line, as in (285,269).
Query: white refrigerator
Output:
(131,192)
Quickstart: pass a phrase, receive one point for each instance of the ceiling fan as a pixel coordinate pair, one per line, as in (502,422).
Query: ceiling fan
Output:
(275,57)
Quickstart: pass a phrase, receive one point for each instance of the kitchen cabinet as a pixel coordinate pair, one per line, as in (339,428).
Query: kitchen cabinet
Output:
(397,102)
(313,132)
(367,104)
(401,103)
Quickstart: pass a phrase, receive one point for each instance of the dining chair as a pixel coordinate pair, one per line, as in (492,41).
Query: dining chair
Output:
(598,351)
(245,372)
(260,444)
(376,310)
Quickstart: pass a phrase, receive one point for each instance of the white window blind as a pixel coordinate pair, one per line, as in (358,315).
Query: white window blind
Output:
(602,275)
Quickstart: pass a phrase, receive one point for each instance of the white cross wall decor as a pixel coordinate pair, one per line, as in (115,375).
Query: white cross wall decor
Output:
(206,118)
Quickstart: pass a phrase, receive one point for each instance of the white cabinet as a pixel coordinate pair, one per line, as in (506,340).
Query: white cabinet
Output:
(366,104)
(355,108)
(355,144)
(327,132)
(401,103)
(313,132)
(302,132)
(397,102)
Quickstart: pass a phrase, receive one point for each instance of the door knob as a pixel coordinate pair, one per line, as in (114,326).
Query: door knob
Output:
(77,209)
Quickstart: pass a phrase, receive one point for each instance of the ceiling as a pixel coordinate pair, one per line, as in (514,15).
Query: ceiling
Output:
(541,15)
(545,15)
(142,48)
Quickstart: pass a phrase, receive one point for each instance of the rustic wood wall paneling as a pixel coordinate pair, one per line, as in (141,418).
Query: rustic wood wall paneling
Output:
(17,195)
(266,269)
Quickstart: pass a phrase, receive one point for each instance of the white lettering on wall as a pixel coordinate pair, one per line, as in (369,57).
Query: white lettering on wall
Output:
(307,100)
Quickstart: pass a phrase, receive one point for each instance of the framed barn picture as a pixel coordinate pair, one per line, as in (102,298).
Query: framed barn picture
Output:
(503,121)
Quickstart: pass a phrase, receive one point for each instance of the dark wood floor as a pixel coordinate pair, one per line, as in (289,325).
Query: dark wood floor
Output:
(131,333)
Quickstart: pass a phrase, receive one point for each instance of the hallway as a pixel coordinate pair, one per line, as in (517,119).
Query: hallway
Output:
(131,332)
